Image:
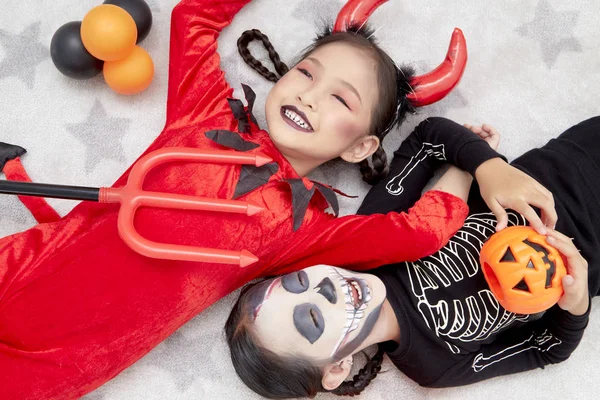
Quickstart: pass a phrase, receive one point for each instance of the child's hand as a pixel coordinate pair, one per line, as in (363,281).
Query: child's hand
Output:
(504,186)
(487,133)
(575,284)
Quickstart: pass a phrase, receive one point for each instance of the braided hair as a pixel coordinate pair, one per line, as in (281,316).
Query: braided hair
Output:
(362,379)
(242,45)
(282,377)
(393,83)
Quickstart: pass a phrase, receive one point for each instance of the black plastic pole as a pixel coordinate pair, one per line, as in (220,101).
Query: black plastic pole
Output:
(47,190)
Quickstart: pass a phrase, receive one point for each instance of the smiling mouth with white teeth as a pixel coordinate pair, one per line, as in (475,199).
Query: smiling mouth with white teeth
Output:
(296,119)
(357,294)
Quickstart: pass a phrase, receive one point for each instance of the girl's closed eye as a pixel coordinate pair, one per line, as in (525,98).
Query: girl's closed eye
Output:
(314,318)
(305,73)
(341,100)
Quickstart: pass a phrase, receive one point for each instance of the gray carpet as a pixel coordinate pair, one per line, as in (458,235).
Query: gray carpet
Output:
(534,70)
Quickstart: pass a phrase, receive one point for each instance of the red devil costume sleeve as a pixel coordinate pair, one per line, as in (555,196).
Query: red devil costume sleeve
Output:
(77,306)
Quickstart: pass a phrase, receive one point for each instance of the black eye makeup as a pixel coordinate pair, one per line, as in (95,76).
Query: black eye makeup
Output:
(309,321)
(326,289)
(296,282)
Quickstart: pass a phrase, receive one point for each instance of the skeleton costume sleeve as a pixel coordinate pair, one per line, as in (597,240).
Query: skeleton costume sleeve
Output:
(77,306)
(549,340)
(467,338)
(434,142)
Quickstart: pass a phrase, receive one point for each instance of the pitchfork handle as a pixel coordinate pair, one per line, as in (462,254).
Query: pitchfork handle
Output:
(47,190)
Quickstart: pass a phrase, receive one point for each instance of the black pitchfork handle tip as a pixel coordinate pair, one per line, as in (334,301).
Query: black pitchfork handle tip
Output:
(48,190)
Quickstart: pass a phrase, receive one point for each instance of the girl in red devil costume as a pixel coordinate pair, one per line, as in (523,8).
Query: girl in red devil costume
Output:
(77,306)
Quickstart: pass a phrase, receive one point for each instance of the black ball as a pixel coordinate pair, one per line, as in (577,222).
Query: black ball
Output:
(70,56)
(140,11)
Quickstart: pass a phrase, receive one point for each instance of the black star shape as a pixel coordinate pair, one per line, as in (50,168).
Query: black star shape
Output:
(101,135)
(23,54)
(554,31)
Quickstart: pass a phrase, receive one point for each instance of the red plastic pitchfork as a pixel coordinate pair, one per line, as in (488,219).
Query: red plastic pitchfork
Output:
(132,196)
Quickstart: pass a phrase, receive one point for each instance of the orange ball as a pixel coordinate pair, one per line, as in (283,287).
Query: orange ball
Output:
(130,75)
(108,32)
(524,272)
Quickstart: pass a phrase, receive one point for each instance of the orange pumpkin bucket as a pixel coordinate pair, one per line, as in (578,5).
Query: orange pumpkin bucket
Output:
(523,271)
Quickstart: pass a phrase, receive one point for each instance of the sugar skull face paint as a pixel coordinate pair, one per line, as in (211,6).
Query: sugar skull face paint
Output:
(321,313)
(327,289)
(259,294)
(357,296)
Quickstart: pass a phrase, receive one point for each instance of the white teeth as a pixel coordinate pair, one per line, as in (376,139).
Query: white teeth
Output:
(358,290)
(296,118)
(353,315)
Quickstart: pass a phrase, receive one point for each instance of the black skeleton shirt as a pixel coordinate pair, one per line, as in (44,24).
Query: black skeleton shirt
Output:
(453,331)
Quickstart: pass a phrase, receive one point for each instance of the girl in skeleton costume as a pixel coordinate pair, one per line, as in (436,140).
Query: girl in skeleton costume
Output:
(435,317)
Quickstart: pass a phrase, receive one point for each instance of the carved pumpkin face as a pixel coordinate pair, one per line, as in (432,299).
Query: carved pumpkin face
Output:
(524,272)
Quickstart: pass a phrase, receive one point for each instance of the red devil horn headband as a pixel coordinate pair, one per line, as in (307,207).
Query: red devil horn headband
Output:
(430,87)
(355,12)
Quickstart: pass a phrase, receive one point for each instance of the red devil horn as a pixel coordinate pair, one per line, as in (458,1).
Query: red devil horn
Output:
(435,85)
(355,12)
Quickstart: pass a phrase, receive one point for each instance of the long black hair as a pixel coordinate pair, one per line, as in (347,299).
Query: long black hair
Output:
(393,84)
(277,377)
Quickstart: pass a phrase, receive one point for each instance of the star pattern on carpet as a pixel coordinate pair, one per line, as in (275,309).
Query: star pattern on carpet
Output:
(97,395)
(185,366)
(154,7)
(101,134)
(23,53)
(317,11)
(13,212)
(454,99)
(554,30)
(238,72)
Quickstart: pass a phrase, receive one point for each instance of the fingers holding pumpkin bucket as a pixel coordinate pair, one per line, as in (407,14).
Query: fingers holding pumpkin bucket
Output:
(576,293)
(131,75)
(108,32)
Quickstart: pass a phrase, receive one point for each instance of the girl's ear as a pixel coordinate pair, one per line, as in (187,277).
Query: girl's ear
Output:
(335,374)
(362,149)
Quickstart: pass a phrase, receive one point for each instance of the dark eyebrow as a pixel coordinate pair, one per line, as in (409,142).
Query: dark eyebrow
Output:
(343,82)
(303,321)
